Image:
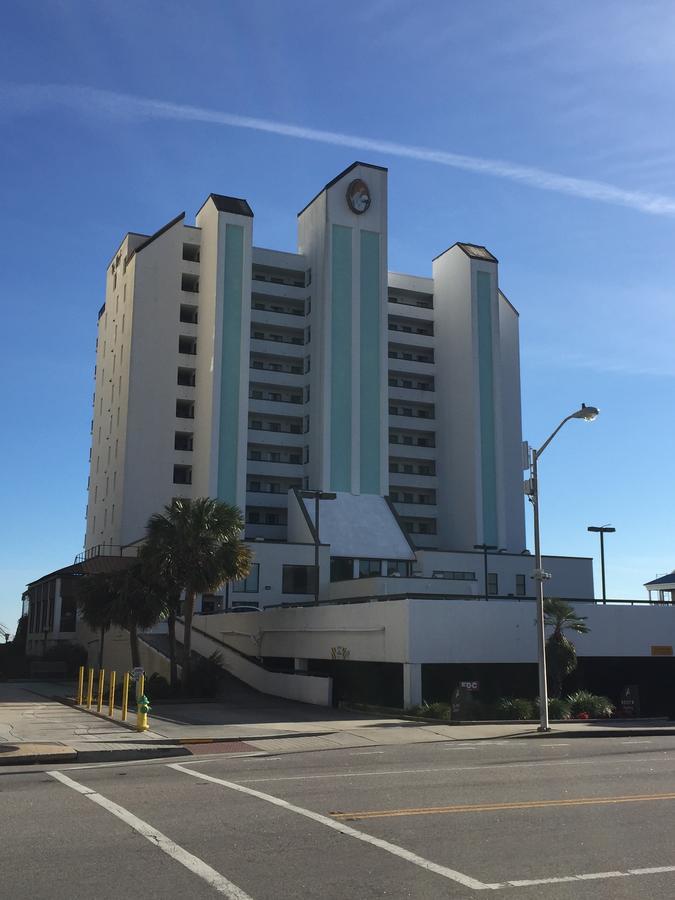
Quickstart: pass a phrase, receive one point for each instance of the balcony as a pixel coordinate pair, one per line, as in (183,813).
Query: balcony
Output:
(415,510)
(275,407)
(267,499)
(413,423)
(411,395)
(414,313)
(271,289)
(266,468)
(276,319)
(412,366)
(279,438)
(106,558)
(262,377)
(266,347)
(402,480)
(411,450)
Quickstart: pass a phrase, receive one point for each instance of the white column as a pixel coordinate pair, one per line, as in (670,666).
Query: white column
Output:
(412,684)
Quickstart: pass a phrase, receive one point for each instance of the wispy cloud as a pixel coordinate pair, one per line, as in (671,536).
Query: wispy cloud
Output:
(29,98)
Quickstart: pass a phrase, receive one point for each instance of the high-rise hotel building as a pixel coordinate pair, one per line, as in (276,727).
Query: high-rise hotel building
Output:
(233,371)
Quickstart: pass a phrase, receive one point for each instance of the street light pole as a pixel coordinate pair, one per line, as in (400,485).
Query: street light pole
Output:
(318,496)
(602,530)
(588,413)
(485,548)
(539,576)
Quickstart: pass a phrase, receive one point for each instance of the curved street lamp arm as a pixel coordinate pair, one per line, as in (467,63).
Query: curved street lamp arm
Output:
(550,438)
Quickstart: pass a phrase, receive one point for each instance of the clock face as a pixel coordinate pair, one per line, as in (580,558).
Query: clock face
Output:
(358,196)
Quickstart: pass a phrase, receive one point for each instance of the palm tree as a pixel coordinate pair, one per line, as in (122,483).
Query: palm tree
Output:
(561,654)
(96,596)
(171,592)
(139,604)
(197,545)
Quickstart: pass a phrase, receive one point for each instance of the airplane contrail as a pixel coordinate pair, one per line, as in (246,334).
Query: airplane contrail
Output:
(29,98)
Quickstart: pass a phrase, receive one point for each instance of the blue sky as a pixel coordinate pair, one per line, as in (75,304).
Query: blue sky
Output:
(551,132)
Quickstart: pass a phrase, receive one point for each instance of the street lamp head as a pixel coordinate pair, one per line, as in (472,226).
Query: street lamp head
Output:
(602,529)
(587,413)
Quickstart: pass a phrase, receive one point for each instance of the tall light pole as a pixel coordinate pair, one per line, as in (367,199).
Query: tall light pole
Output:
(602,530)
(588,413)
(318,496)
(485,548)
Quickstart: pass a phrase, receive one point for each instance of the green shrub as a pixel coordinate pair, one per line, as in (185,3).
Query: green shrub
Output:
(594,705)
(432,710)
(515,708)
(557,708)
(72,654)
(206,676)
(157,687)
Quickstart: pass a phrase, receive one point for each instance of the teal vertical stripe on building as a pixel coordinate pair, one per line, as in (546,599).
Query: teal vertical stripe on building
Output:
(371,414)
(230,364)
(487,407)
(341,360)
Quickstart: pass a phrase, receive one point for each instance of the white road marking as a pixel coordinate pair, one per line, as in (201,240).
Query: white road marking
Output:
(636,742)
(368,753)
(196,865)
(394,849)
(436,770)
(589,876)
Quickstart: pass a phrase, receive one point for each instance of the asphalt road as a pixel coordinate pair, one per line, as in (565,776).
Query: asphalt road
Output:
(582,818)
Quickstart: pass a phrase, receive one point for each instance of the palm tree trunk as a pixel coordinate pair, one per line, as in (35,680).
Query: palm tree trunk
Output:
(100,647)
(135,652)
(173,662)
(188,609)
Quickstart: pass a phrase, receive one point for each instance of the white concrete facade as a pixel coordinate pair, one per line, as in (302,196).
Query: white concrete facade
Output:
(246,374)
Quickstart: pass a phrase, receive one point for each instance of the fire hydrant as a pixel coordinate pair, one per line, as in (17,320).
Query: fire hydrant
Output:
(142,709)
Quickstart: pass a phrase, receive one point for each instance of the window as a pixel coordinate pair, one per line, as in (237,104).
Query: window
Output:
(393,467)
(248,585)
(407,439)
(272,519)
(298,579)
(520,585)
(492,583)
(188,314)
(295,459)
(211,603)
(369,567)
(275,456)
(183,440)
(185,409)
(254,486)
(397,567)
(256,395)
(187,345)
(256,425)
(407,384)
(182,474)
(394,496)
(407,468)
(407,498)
(189,283)
(186,377)
(341,568)
(255,454)
(191,252)
(254,517)
(393,382)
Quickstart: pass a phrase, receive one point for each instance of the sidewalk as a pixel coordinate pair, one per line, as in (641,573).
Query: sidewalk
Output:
(36,728)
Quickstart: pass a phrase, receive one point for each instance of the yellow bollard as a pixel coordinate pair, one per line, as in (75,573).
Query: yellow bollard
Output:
(140,687)
(111,694)
(101,682)
(125,696)
(80,686)
(90,688)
